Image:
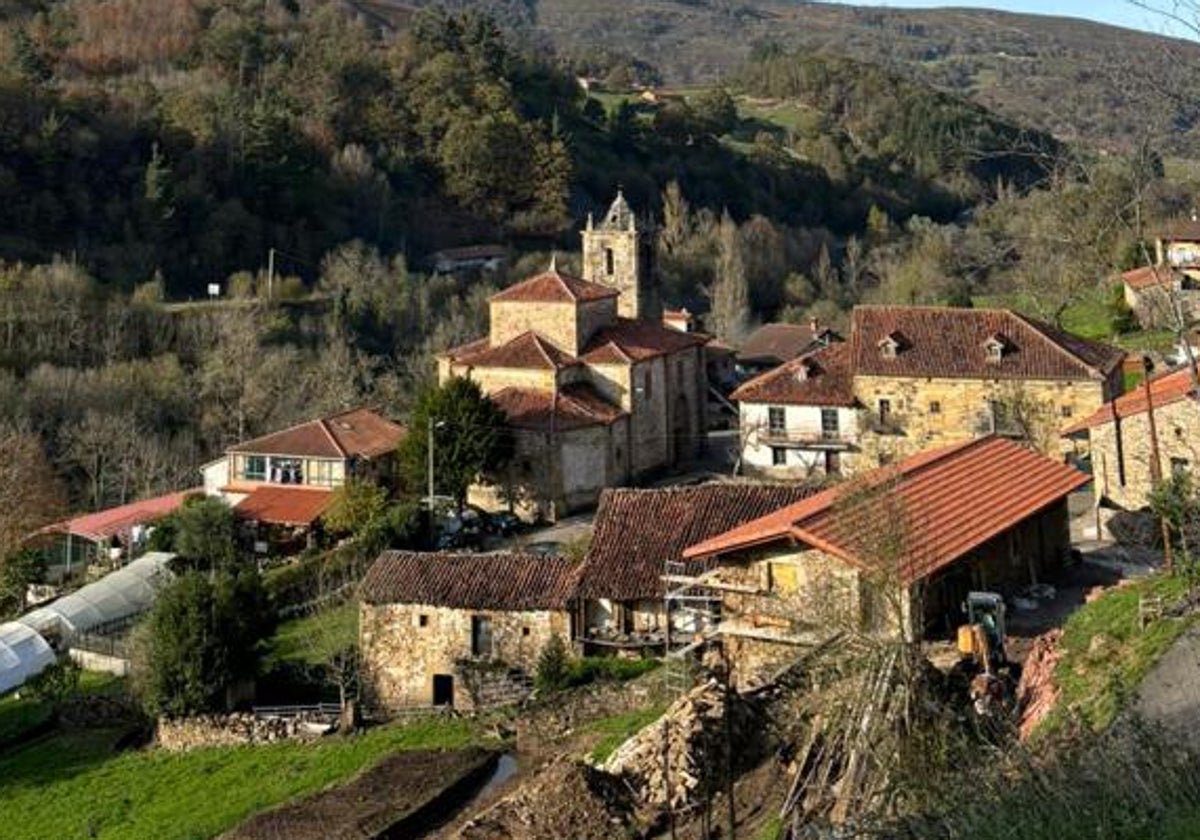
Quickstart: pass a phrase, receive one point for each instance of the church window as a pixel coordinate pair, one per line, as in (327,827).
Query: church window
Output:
(608,262)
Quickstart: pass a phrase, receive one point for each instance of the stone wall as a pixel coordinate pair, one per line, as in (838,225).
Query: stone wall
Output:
(1121,452)
(405,645)
(630,275)
(233,730)
(553,321)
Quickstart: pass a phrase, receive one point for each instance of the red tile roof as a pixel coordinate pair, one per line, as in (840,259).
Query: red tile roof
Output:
(778,343)
(954,499)
(578,405)
(1165,389)
(827,380)
(637,531)
(629,340)
(527,350)
(495,581)
(553,287)
(1182,230)
(104,524)
(948,342)
(1148,276)
(359,433)
(284,505)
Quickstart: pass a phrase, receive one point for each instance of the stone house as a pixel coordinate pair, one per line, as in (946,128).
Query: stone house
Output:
(895,551)
(913,377)
(1159,296)
(1120,443)
(638,534)
(283,481)
(459,630)
(598,391)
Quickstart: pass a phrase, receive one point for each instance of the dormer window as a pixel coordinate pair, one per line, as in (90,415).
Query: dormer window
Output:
(805,370)
(890,345)
(995,348)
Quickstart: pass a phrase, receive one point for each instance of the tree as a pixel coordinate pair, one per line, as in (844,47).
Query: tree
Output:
(18,572)
(206,532)
(715,111)
(471,438)
(552,669)
(56,684)
(30,496)
(730,294)
(200,642)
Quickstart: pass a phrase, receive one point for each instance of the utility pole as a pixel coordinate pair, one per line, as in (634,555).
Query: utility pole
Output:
(1156,471)
(270,272)
(429,453)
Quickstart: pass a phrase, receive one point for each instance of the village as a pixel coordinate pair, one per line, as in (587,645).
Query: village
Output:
(658,570)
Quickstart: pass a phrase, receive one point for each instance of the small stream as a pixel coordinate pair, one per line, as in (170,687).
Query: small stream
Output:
(506,768)
(460,800)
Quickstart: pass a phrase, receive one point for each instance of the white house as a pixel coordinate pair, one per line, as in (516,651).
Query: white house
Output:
(798,419)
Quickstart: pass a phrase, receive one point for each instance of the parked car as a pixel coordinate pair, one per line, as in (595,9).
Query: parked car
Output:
(546,548)
(505,523)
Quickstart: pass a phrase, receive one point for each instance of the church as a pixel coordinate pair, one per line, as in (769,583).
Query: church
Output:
(598,391)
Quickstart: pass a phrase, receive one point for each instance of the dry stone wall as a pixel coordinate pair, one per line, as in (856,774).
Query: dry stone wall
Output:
(182,734)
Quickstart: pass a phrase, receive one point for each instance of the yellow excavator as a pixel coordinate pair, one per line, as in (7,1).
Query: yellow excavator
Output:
(981,645)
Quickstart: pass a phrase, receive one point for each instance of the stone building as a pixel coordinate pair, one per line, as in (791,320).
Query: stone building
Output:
(1120,443)
(459,630)
(913,378)
(598,391)
(1160,296)
(895,551)
(638,534)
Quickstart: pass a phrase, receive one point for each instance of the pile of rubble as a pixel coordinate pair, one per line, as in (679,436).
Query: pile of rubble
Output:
(1036,692)
(681,759)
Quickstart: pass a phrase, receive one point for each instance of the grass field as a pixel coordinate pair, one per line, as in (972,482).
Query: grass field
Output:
(1105,655)
(21,711)
(311,639)
(71,785)
(618,729)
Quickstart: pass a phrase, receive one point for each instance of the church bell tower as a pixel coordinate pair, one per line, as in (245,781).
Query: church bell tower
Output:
(617,254)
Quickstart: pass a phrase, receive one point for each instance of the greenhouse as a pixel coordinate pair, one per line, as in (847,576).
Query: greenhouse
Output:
(23,653)
(116,598)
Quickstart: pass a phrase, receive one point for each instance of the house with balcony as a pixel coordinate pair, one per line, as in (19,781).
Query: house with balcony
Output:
(911,378)
(285,480)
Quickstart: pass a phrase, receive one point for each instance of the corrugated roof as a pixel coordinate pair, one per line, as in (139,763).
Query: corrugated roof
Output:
(104,524)
(358,433)
(1165,389)
(527,350)
(553,287)
(637,531)
(949,342)
(954,500)
(284,505)
(822,377)
(630,340)
(577,405)
(779,343)
(493,581)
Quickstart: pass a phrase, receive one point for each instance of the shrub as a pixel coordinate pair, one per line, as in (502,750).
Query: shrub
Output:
(553,665)
(56,684)
(591,669)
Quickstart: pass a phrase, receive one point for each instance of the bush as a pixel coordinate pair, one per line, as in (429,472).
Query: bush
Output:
(591,669)
(553,664)
(56,684)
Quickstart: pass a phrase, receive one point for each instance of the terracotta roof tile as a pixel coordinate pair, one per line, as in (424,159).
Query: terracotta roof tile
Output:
(554,287)
(633,341)
(359,433)
(947,342)
(637,531)
(778,343)
(109,523)
(527,350)
(1165,389)
(822,377)
(955,499)
(495,581)
(1181,230)
(578,405)
(1148,276)
(278,505)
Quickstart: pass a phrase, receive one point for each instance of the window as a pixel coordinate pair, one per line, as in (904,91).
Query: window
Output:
(1179,466)
(935,407)
(776,420)
(1066,411)
(422,620)
(608,262)
(778,456)
(287,471)
(829,423)
(255,468)
(833,463)
(995,352)
(647,385)
(524,631)
(481,636)
(322,473)
(885,411)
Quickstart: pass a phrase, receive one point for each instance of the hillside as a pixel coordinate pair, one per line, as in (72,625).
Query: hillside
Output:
(1104,85)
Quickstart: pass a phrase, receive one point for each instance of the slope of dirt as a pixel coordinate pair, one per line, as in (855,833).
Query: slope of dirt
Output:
(393,799)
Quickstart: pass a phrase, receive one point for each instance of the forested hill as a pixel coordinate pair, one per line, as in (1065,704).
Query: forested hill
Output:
(1080,80)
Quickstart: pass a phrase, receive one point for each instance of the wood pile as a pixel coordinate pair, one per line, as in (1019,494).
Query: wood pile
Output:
(680,760)
(1036,692)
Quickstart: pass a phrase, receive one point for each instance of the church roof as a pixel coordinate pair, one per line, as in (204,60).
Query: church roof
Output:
(619,215)
(630,340)
(554,287)
(576,406)
(528,350)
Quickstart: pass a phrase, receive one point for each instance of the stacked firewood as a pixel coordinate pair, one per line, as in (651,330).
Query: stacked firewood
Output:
(1037,693)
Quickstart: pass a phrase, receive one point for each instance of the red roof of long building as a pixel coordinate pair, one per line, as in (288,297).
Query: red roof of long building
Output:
(941,504)
(1166,389)
(553,287)
(360,433)
(109,523)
